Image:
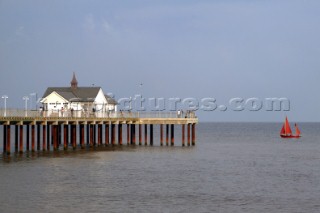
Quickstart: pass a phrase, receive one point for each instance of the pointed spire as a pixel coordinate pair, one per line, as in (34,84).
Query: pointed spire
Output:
(74,82)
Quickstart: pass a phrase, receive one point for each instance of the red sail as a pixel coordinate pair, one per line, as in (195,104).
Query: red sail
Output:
(287,127)
(297,130)
(283,132)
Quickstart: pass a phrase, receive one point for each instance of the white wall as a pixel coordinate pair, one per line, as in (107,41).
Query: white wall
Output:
(54,101)
(100,101)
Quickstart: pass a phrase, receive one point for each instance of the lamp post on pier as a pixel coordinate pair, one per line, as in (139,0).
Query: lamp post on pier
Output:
(140,86)
(5,105)
(130,106)
(36,97)
(141,98)
(26,98)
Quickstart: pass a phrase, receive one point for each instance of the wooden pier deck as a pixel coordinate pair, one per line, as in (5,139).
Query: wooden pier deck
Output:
(43,130)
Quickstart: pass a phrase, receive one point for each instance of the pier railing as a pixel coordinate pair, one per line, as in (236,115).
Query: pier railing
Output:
(98,114)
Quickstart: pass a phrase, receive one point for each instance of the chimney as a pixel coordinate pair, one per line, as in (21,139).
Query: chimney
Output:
(74,82)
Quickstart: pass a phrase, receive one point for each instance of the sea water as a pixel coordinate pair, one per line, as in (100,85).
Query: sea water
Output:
(234,167)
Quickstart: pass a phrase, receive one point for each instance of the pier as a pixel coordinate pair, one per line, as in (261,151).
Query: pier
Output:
(25,131)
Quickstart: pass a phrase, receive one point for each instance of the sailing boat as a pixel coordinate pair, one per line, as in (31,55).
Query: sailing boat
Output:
(286,130)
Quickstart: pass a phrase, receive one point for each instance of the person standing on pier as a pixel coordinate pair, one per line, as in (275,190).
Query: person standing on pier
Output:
(62,110)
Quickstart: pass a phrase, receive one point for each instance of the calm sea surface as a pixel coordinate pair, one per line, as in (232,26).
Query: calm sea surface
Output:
(234,167)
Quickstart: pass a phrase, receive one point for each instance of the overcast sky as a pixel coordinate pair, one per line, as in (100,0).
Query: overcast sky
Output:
(221,49)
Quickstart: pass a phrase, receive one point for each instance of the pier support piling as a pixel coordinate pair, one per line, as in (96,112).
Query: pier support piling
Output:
(167,134)
(48,137)
(54,137)
(88,134)
(8,139)
(44,137)
(65,136)
(81,136)
(133,134)
(183,136)
(145,134)
(16,138)
(107,134)
(128,134)
(59,133)
(28,137)
(151,134)
(113,134)
(94,135)
(74,136)
(21,139)
(99,134)
(193,134)
(120,134)
(188,134)
(4,139)
(172,134)
(140,134)
(33,132)
(161,134)
(38,137)
(91,135)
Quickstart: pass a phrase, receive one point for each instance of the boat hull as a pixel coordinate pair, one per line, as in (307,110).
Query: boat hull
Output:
(290,136)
